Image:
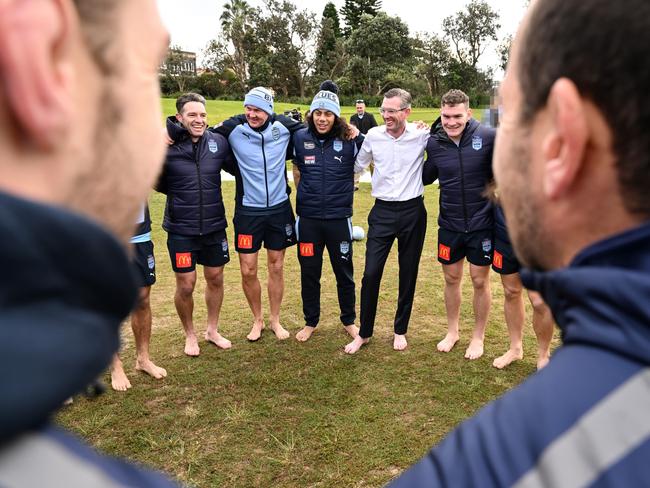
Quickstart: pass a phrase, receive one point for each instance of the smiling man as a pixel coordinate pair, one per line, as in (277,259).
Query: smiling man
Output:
(195,218)
(397,149)
(260,141)
(80,147)
(459,155)
(572,162)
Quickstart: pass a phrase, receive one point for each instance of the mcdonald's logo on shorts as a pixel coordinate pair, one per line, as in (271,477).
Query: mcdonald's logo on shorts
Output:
(306,249)
(497,260)
(444,252)
(245,241)
(183,260)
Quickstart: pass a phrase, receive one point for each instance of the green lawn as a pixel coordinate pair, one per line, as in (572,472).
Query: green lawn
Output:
(289,414)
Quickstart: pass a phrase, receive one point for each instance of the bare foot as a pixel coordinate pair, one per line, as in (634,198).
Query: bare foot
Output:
(542,361)
(448,342)
(256,331)
(474,350)
(119,381)
(217,339)
(399,342)
(192,346)
(280,332)
(356,344)
(509,357)
(305,333)
(150,368)
(352,329)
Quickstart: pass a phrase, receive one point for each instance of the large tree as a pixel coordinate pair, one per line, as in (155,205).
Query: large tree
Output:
(330,12)
(331,56)
(353,10)
(433,57)
(232,50)
(288,36)
(471,30)
(380,47)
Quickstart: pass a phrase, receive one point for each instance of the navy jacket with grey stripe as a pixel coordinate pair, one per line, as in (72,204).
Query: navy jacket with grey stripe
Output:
(326,189)
(584,419)
(463,172)
(65,290)
(191,179)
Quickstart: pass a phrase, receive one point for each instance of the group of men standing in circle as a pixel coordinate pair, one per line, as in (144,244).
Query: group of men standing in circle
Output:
(327,153)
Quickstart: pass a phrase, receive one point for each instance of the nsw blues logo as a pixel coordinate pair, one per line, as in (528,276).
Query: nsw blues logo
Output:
(486,245)
(338,146)
(275,132)
(151,262)
(212,146)
(224,245)
(344,247)
(288,229)
(477,143)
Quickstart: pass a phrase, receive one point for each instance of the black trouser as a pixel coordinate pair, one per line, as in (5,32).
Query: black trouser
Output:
(313,236)
(406,221)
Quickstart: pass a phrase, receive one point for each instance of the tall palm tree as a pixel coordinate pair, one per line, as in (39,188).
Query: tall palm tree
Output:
(235,21)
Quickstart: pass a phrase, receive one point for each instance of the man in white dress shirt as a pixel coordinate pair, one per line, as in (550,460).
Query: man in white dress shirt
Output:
(397,149)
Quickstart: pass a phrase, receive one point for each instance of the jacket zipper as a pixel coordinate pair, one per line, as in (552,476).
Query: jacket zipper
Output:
(198,172)
(266,179)
(322,177)
(462,186)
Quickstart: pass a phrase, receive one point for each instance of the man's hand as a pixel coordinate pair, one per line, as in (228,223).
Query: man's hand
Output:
(351,132)
(421,124)
(166,137)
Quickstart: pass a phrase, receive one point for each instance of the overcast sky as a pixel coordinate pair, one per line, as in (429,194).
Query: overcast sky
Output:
(193,23)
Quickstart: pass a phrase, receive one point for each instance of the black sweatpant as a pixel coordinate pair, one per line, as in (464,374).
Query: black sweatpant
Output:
(406,221)
(313,236)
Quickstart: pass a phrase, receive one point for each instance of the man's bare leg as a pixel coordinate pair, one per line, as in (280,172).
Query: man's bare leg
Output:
(356,344)
(119,381)
(352,330)
(253,291)
(453,274)
(304,334)
(513,308)
(276,291)
(184,302)
(213,301)
(399,342)
(543,324)
(141,326)
(482,301)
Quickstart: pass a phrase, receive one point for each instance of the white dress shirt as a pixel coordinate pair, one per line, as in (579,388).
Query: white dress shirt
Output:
(398,162)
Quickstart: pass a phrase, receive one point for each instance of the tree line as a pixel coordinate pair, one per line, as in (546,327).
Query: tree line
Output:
(365,51)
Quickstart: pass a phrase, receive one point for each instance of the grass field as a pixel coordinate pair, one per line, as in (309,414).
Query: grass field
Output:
(290,414)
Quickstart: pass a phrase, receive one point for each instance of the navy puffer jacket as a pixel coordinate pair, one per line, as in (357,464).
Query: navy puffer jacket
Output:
(191,179)
(463,172)
(326,188)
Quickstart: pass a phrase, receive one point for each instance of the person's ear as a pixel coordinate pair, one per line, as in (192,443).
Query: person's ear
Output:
(36,68)
(564,147)
(179,117)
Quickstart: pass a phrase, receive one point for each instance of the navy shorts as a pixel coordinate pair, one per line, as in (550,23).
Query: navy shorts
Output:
(144,264)
(504,260)
(475,246)
(276,231)
(186,252)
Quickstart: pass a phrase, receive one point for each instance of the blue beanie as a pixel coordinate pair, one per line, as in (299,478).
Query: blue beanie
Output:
(326,100)
(261,98)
